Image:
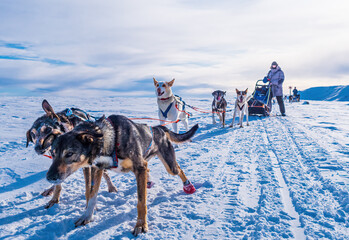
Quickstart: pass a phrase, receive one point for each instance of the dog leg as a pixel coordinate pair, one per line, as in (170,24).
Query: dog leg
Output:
(223,116)
(185,123)
(55,198)
(241,119)
(220,117)
(87,176)
(87,216)
(141,177)
(234,115)
(150,183)
(174,125)
(213,119)
(111,187)
(48,192)
(168,158)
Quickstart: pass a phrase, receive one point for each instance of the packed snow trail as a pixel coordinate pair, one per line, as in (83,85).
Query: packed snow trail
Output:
(278,178)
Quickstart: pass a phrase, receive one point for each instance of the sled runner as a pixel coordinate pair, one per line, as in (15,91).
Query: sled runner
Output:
(260,103)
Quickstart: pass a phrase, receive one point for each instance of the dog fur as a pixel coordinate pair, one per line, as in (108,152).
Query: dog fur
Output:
(241,106)
(219,106)
(167,103)
(46,129)
(135,144)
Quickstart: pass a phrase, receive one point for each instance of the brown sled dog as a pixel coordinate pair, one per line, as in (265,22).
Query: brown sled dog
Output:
(119,144)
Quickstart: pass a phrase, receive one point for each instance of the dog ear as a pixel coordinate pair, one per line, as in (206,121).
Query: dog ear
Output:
(86,138)
(101,119)
(225,92)
(156,83)
(170,83)
(246,90)
(49,110)
(29,138)
(237,91)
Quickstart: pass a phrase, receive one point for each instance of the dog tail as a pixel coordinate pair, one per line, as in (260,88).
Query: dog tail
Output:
(180,138)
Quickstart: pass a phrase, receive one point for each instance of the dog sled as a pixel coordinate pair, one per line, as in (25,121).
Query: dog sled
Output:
(260,102)
(294,98)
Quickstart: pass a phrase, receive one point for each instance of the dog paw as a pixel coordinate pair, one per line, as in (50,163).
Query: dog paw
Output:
(51,203)
(189,188)
(112,188)
(248,124)
(83,220)
(150,184)
(230,126)
(48,192)
(141,227)
(241,126)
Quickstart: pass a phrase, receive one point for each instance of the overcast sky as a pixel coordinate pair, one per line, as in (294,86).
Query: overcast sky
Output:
(116,47)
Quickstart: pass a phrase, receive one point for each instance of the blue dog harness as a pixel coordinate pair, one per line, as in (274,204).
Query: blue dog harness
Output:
(69,112)
(164,114)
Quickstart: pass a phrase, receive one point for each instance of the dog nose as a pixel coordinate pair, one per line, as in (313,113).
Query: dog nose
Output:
(39,150)
(53,178)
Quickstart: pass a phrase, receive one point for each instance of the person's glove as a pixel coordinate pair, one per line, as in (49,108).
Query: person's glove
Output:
(265,79)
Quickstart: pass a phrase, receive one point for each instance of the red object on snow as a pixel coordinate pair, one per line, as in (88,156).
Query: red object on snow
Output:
(150,184)
(189,188)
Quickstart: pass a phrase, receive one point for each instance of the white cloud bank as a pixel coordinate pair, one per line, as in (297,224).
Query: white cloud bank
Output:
(106,46)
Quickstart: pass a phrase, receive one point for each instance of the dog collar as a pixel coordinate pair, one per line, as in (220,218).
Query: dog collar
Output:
(163,99)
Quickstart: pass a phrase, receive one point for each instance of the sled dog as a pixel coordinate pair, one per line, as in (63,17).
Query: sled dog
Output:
(119,144)
(241,106)
(219,106)
(170,107)
(47,128)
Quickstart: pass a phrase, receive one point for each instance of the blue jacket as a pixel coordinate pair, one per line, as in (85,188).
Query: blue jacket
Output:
(276,77)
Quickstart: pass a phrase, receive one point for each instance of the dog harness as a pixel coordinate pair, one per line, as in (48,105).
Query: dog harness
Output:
(219,107)
(151,142)
(69,112)
(114,154)
(166,111)
(241,106)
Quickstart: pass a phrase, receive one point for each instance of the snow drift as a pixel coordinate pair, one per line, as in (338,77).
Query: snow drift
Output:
(332,93)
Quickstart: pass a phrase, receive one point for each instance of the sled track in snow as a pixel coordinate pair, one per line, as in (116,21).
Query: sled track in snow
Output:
(310,193)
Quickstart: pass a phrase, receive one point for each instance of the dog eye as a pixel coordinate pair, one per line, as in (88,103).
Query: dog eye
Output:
(47,130)
(69,154)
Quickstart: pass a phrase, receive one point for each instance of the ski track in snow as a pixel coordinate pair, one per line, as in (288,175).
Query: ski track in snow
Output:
(279,178)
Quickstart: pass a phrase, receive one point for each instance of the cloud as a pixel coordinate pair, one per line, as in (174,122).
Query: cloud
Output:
(108,46)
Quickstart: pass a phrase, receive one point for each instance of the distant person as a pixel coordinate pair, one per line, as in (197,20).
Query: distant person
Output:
(276,77)
(296,94)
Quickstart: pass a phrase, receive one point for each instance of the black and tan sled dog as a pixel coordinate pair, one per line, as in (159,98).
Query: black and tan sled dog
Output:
(47,128)
(119,144)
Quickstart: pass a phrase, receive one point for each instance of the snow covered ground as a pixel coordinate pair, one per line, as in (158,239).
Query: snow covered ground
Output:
(281,177)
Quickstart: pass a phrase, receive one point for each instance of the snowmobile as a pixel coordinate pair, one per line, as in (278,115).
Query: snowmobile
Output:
(260,102)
